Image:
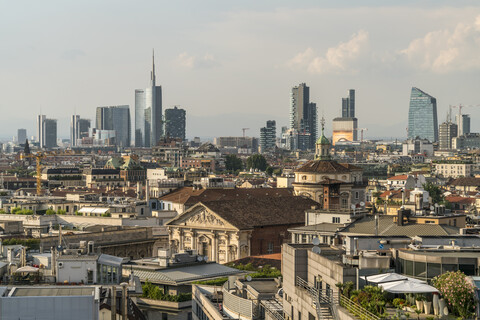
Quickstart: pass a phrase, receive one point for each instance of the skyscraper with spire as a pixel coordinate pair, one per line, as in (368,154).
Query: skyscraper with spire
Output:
(148,113)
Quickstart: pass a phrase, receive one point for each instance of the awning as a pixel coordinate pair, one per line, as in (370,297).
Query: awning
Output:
(26,269)
(406,286)
(388,277)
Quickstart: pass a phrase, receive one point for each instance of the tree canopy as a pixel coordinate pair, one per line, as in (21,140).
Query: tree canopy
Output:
(233,163)
(257,161)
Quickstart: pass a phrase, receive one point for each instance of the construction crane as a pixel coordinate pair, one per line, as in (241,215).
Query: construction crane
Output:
(245,129)
(38,160)
(460,107)
(361,132)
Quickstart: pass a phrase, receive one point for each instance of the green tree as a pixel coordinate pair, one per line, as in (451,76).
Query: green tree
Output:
(269,171)
(434,191)
(233,163)
(257,161)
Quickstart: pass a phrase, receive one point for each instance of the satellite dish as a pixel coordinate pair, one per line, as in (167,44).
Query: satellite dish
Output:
(316,241)
(362,204)
(316,250)
(432,208)
(199,258)
(249,278)
(352,206)
(205,258)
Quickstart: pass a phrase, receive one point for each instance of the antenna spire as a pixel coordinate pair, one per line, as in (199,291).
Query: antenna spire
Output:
(153,68)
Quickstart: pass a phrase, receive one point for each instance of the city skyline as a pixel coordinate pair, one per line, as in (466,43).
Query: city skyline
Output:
(210,69)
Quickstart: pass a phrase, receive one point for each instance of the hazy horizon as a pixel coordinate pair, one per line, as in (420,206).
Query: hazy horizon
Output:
(232,65)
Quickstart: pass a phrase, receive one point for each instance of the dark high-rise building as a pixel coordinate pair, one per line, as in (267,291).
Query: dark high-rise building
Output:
(21,136)
(148,113)
(268,136)
(47,132)
(348,105)
(422,116)
(175,123)
(303,116)
(447,132)
(345,127)
(115,118)
(78,129)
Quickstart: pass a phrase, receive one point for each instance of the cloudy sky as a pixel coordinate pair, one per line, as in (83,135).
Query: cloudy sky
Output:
(232,64)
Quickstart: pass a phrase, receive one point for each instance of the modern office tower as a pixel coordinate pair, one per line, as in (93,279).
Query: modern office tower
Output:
(78,129)
(47,132)
(175,122)
(268,136)
(148,113)
(463,123)
(345,128)
(115,118)
(40,119)
(447,131)
(21,136)
(422,116)
(348,105)
(303,116)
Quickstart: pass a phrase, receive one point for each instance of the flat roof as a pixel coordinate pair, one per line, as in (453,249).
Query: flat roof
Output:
(263,285)
(179,275)
(52,291)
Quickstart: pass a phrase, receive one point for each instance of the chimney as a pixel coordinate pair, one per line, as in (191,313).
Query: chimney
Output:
(400,217)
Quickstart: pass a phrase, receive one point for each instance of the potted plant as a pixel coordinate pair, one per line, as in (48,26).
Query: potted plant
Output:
(418,311)
(427,306)
(419,301)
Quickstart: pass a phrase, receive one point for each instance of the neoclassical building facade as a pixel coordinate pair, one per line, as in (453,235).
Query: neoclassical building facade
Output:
(201,229)
(227,230)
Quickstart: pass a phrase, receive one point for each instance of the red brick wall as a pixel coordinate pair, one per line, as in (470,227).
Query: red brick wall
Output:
(277,235)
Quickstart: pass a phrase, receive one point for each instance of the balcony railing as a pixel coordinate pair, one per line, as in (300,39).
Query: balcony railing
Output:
(356,309)
(320,297)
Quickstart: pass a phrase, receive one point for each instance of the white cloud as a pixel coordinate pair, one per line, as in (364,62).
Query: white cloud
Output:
(338,59)
(447,50)
(193,62)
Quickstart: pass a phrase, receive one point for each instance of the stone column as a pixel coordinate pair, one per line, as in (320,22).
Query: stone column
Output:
(181,239)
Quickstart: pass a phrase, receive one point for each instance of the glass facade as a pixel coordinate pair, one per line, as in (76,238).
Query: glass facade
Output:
(428,270)
(116,118)
(422,116)
(175,123)
(303,115)
(148,114)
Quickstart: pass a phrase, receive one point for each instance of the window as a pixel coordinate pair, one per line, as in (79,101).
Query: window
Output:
(270,247)
(335,219)
(356,195)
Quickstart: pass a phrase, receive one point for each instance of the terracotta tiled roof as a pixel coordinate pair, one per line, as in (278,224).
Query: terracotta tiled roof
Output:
(468,182)
(189,196)
(265,211)
(400,177)
(324,166)
(458,199)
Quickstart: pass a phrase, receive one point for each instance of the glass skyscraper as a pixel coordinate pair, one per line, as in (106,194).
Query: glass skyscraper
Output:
(422,116)
(348,105)
(115,118)
(175,119)
(148,113)
(303,116)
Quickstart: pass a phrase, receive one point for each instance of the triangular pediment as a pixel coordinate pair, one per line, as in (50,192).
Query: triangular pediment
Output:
(201,216)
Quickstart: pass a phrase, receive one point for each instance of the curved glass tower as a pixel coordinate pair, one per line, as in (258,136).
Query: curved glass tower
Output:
(422,116)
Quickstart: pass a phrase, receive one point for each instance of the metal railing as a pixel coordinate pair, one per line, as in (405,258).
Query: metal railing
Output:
(356,309)
(320,297)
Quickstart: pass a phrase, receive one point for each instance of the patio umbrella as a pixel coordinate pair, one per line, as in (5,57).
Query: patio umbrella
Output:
(406,286)
(388,277)
(26,269)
